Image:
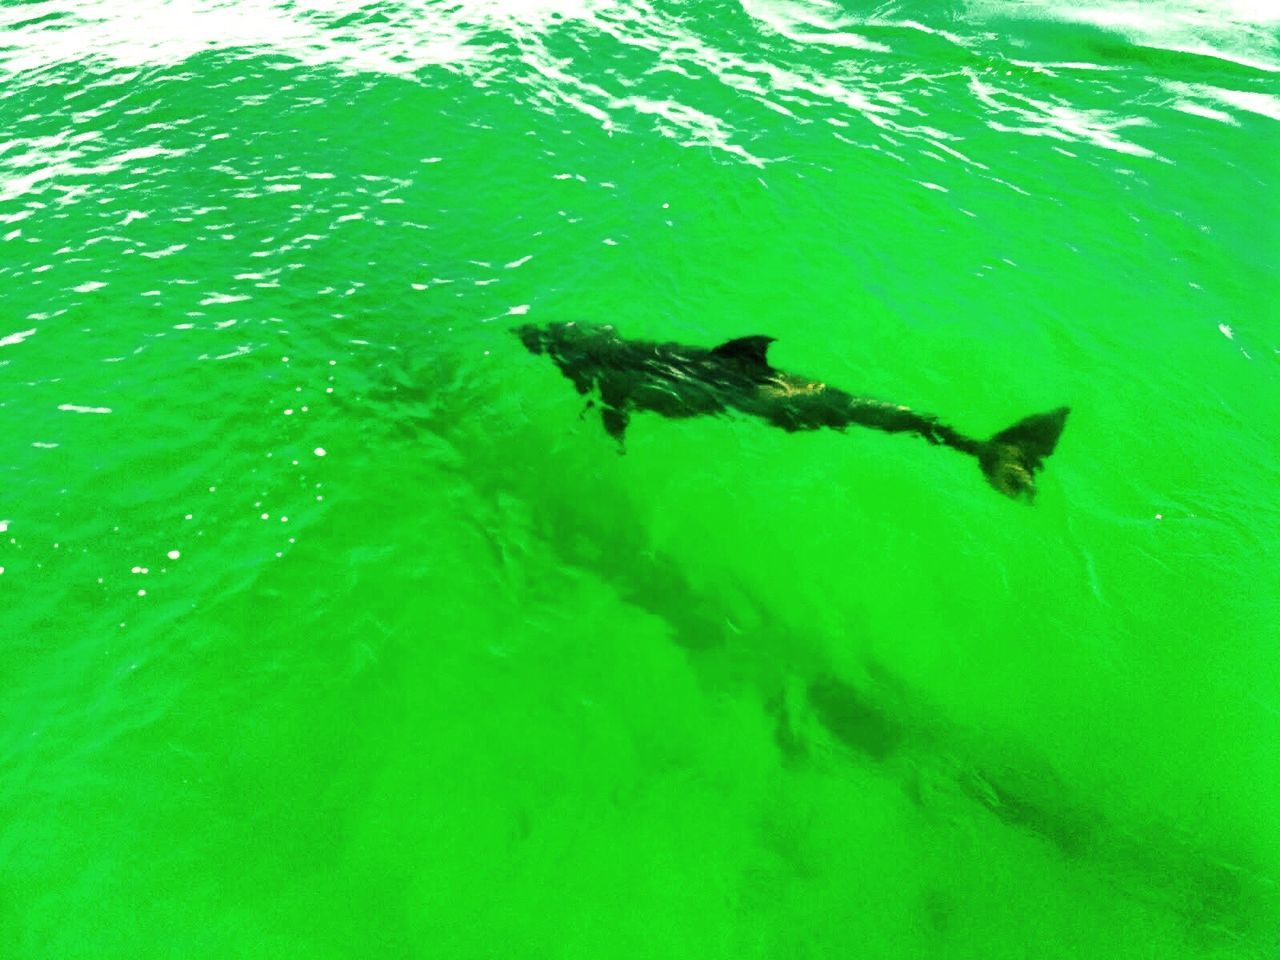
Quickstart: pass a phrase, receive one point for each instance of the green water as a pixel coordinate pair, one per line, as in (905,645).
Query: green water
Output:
(331,630)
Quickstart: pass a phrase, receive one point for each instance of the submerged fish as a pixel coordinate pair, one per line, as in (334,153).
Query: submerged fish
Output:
(677,380)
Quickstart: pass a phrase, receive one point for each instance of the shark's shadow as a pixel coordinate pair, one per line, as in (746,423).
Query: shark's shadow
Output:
(874,718)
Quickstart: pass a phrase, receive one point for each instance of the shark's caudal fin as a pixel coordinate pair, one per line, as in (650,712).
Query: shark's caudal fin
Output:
(1011,458)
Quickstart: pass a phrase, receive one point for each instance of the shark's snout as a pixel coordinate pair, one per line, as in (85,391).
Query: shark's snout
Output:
(533,338)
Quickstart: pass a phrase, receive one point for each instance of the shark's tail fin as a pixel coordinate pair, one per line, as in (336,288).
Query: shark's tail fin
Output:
(1011,458)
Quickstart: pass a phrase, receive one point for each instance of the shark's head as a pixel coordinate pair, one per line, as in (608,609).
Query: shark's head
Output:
(532,337)
(565,339)
(581,351)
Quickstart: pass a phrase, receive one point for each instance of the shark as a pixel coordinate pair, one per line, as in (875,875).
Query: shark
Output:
(678,380)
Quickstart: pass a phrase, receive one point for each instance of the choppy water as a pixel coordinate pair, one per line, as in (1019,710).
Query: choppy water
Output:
(330,630)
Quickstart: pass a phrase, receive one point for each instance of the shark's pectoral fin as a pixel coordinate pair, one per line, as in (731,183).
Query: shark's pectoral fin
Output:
(615,422)
(751,351)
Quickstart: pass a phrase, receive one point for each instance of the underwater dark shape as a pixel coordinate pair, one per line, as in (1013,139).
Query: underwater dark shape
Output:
(677,380)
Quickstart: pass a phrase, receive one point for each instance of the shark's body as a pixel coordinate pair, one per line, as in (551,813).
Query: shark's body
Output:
(677,380)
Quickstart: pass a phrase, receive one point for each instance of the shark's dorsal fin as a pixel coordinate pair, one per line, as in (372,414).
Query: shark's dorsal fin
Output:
(749,350)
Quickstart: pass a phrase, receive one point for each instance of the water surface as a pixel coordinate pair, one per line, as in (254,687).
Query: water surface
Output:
(333,631)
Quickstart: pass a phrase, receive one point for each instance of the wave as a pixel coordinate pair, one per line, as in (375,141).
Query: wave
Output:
(738,81)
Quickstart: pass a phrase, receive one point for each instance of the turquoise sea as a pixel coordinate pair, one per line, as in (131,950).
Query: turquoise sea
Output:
(332,629)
